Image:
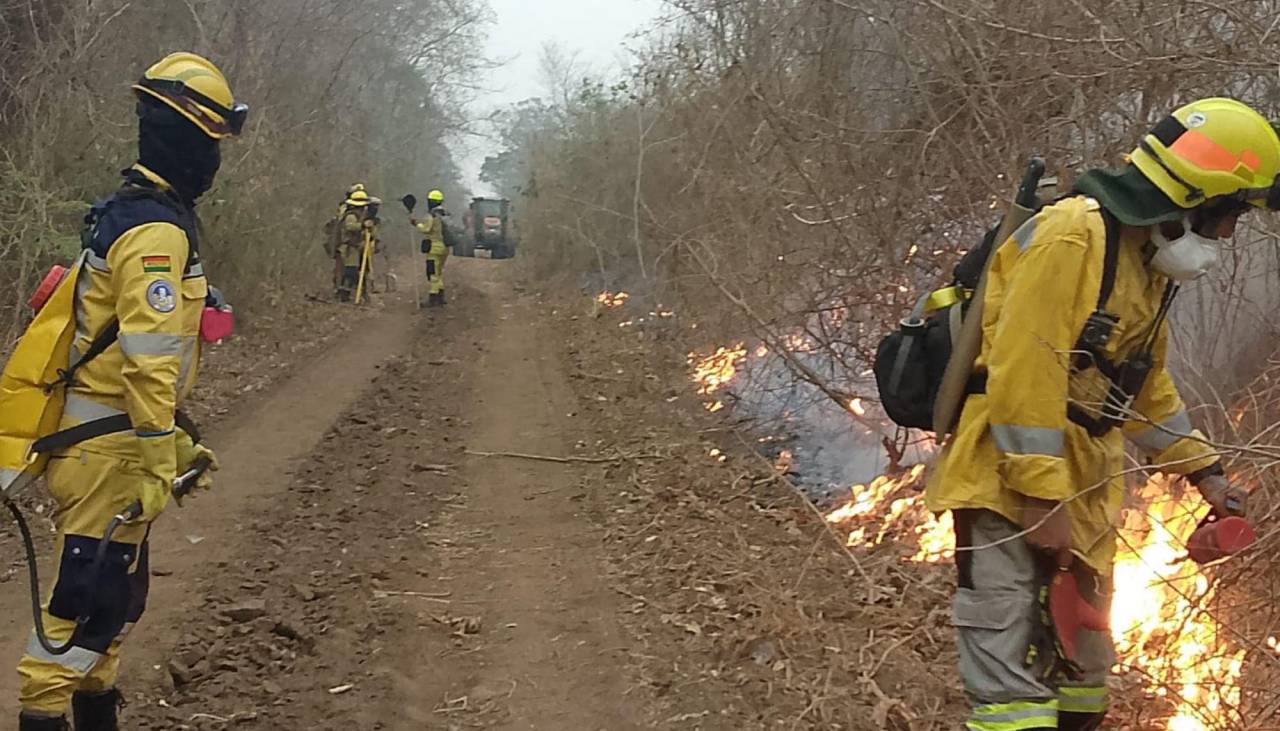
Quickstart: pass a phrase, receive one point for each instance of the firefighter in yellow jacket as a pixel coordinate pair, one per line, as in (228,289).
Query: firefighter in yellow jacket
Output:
(433,246)
(1033,474)
(142,273)
(357,223)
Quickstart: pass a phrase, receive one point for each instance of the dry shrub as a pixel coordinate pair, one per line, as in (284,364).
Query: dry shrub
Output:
(339,92)
(801,170)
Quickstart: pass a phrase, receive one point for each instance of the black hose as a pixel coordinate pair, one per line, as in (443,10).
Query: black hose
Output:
(182,486)
(33,570)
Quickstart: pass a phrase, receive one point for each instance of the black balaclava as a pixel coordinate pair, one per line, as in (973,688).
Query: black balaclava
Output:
(177,150)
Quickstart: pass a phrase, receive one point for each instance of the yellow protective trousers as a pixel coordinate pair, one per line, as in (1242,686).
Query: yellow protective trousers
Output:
(89,489)
(436,258)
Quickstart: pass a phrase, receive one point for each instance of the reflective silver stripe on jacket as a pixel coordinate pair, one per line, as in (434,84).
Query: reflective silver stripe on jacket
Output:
(150,344)
(82,409)
(1156,438)
(1025,233)
(96,262)
(82,332)
(1040,440)
(194,271)
(77,659)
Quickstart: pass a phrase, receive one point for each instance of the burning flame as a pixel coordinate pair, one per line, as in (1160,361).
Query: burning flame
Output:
(612,299)
(713,371)
(892,507)
(1160,628)
(1163,637)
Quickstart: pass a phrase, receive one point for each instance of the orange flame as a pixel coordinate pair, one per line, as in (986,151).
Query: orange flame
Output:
(1157,618)
(712,372)
(892,507)
(612,299)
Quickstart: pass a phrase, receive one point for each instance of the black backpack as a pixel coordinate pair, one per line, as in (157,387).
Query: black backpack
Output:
(911,360)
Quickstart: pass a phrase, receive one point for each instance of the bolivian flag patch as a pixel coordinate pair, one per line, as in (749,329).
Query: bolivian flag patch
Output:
(156,264)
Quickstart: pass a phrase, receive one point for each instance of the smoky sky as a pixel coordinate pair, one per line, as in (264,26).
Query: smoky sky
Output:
(598,31)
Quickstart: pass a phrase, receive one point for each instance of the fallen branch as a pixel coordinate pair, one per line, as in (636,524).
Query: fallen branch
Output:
(561,460)
(429,596)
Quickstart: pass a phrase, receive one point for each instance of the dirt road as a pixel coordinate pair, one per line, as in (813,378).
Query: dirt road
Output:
(356,567)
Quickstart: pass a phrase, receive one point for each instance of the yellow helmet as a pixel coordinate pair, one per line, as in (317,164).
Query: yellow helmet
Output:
(1212,148)
(436,196)
(358,199)
(197,90)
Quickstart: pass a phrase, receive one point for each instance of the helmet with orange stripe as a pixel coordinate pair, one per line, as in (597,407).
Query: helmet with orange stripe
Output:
(1213,149)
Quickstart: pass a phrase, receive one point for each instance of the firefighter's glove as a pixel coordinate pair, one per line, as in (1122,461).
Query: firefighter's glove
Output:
(1047,525)
(1225,498)
(189,453)
(159,467)
(369,223)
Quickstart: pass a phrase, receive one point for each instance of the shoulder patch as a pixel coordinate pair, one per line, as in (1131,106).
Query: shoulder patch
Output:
(154,264)
(162,297)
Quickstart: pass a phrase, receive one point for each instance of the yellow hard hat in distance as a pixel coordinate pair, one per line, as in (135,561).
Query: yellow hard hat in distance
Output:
(196,89)
(436,196)
(1209,149)
(358,198)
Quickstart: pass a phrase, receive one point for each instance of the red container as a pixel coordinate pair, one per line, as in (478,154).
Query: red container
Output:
(47,286)
(217,323)
(1219,539)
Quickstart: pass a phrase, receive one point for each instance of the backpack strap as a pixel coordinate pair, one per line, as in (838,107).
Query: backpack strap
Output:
(1110,259)
(104,340)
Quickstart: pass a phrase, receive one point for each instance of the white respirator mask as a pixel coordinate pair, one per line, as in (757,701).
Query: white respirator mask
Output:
(1190,256)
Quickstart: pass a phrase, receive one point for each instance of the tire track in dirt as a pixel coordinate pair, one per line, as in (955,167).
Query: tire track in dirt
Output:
(528,560)
(258,448)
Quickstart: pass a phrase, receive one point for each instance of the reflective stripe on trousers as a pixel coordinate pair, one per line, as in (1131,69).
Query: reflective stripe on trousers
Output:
(1083,699)
(1015,716)
(78,659)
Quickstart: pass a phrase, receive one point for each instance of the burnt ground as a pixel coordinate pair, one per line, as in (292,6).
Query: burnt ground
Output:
(505,515)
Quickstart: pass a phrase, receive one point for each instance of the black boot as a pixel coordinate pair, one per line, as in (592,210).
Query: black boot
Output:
(96,711)
(42,723)
(442,299)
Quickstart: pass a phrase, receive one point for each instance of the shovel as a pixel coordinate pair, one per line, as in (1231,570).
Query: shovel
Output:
(965,349)
(411,203)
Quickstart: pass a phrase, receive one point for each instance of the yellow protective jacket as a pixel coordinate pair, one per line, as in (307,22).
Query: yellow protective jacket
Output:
(1015,439)
(353,227)
(142,269)
(432,230)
